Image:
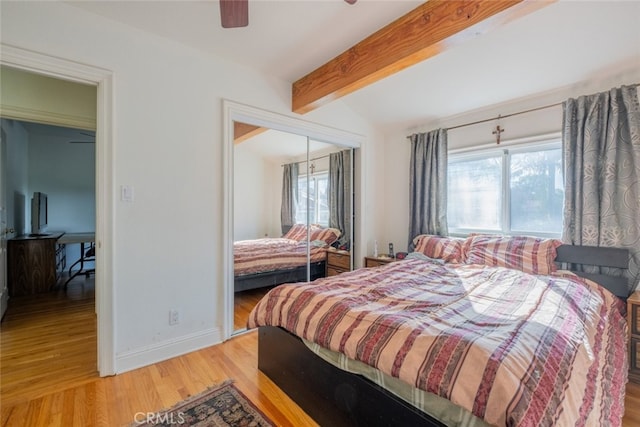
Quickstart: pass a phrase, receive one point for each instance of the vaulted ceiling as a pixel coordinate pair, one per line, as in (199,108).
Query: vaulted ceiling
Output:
(558,45)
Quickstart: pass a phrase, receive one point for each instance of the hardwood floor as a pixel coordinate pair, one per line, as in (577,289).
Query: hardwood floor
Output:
(49,370)
(245,301)
(49,377)
(48,339)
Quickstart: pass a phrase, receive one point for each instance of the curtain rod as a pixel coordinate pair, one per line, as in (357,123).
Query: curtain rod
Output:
(513,114)
(505,116)
(311,160)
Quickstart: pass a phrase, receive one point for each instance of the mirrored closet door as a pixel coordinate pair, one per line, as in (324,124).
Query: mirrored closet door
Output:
(292,212)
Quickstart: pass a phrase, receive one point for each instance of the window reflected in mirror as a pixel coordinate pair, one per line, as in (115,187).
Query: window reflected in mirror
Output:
(292,200)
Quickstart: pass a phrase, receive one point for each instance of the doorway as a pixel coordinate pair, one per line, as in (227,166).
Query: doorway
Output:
(49,333)
(69,71)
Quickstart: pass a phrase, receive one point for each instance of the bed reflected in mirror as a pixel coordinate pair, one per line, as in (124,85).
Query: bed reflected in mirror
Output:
(292,200)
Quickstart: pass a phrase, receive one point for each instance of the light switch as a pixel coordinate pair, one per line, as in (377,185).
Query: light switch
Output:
(126,193)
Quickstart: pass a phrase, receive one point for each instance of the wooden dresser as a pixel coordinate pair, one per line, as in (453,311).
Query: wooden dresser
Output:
(34,264)
(633,320)
(371,261)
(338,262)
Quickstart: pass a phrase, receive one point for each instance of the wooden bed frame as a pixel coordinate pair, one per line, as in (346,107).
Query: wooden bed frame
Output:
(277,277)
(333,397)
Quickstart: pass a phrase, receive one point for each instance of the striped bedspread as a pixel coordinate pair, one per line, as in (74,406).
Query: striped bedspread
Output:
(269,254)
(513,349)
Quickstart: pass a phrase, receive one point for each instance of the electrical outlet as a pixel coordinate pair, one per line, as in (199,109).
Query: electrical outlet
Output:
(174,317)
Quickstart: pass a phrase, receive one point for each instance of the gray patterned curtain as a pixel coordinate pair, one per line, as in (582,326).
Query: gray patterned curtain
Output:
(601,143)
(289,196)
(339,193)
(428,184)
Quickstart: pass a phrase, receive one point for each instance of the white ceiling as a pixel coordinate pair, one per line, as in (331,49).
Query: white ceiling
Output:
(559,45)
(283,146)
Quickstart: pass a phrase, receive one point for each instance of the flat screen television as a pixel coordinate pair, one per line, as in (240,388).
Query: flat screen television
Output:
(39,214)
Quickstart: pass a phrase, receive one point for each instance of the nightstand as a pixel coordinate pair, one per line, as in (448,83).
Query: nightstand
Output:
(633,320)
(371,261)
(338,262)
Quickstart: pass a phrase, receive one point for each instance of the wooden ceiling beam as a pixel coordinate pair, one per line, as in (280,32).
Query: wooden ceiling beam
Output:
(244,131)
(429,29)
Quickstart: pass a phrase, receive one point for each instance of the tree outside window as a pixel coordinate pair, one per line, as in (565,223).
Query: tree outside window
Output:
(316,195)
(510,191)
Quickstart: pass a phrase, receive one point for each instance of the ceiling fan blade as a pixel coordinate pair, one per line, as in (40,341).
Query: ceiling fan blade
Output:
(351,1)
(234,13)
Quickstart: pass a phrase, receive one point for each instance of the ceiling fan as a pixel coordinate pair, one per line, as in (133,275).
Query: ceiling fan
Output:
(235,13)
(91,135)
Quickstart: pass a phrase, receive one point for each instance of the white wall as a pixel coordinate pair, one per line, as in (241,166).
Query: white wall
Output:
(542,122)
(66,174)
(168,146)
(251,179)
(369,198)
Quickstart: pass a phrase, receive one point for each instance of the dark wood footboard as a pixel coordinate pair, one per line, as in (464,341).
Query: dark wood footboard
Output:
(331,396)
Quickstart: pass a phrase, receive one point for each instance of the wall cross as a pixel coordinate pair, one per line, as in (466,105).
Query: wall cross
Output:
(497,133)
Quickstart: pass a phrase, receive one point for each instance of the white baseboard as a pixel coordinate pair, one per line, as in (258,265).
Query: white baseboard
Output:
(151,354)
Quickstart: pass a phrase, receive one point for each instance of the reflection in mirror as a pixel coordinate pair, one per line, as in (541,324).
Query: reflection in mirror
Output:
(292,207)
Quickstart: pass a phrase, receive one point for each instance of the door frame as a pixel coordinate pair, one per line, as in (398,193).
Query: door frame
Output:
(5,233)
(62,69)
(233,111)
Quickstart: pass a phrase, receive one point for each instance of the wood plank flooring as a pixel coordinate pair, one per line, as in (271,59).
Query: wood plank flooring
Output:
(49,377)
(46,340)
(244,302)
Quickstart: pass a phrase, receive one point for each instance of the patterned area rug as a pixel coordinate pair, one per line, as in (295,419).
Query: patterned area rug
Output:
(221,405)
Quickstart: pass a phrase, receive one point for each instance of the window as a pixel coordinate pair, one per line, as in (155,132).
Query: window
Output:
(509,191)
(318,199)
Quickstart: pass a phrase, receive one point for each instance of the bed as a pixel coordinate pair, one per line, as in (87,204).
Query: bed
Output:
(532,349)
(271,261)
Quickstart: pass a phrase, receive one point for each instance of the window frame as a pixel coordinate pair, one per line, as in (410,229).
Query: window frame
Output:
(316,210)
(505,151)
